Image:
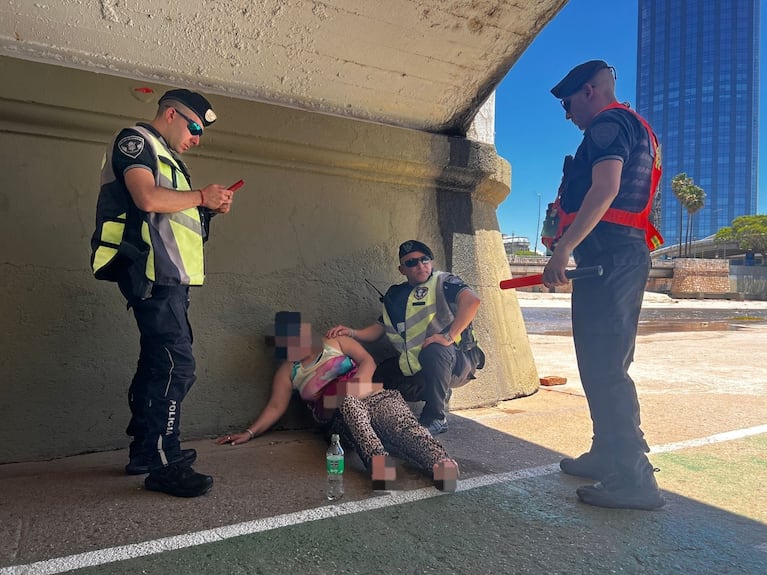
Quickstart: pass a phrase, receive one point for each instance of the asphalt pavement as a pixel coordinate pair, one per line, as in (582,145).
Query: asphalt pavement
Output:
(704,410)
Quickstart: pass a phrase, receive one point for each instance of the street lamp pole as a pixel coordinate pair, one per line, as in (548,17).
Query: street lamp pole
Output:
(538,225)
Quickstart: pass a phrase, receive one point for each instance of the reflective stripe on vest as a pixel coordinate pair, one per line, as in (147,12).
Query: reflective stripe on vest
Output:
(110,222)
(430,314)
(175,239)
(640,220)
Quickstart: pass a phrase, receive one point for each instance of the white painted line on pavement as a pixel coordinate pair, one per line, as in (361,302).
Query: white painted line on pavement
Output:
(136,550)
(496,478)
(711,439)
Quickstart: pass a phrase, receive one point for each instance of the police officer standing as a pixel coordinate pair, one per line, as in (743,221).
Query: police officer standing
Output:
(603,210)
(428,321)
(150,228)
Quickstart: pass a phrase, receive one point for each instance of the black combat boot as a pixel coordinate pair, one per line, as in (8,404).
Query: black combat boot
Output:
(594,464)
(178,479)
(630,486)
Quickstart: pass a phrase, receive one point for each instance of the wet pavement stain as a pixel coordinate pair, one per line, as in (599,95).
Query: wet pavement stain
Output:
(556,321)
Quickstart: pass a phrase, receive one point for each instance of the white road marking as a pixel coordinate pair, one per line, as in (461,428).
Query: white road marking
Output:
(718,438)
(134,551)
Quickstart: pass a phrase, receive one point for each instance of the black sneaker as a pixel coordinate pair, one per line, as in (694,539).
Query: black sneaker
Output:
(589,464)
(179,480)
(436,426)
(618,491)
(139,465)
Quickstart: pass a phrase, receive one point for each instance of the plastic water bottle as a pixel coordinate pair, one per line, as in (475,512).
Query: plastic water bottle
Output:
(334,462)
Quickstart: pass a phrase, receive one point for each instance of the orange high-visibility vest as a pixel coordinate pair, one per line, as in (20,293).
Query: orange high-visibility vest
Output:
(640,220)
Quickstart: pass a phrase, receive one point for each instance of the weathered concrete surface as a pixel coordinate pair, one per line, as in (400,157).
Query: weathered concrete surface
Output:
(690,388)
(326,202)
(425,64)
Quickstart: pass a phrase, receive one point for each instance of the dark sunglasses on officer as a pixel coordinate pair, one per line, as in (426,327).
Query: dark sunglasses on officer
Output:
(194,128)
(412,262)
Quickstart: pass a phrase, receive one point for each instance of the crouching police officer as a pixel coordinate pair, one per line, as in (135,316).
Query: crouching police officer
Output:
(150,229)
(428,320)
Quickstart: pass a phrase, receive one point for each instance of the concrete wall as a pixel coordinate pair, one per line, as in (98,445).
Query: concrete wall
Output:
(326,202)
(751,281)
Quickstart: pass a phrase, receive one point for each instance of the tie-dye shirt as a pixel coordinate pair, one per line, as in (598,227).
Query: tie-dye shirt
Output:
(320,377)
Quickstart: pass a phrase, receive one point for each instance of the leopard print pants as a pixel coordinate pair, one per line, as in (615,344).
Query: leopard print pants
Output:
(382,424)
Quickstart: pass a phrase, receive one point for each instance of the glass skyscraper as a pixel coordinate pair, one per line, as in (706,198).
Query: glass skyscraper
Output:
(698,86)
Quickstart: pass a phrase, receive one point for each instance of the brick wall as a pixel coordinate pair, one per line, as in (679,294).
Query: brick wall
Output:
(701,276)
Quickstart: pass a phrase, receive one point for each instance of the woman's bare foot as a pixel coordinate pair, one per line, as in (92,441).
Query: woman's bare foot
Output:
(446,475)
(383,472)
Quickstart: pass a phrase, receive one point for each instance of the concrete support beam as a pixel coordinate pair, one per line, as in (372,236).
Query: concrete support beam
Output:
(423,64)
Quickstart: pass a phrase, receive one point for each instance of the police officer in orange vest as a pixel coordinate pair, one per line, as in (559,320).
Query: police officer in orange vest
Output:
(151,225)
(603,210)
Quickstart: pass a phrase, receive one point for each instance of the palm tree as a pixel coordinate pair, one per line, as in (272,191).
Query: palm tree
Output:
(680,186)
(692,198)
(695,200)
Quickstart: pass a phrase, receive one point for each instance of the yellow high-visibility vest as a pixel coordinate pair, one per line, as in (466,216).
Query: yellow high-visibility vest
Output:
(171,243)
(427,313)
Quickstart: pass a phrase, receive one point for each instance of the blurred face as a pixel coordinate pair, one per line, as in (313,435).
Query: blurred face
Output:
(185,129)
(416,267)
(294,342)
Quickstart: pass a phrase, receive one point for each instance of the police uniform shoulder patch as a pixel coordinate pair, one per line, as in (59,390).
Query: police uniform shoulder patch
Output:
(131,146)
(604,134)
(420,292)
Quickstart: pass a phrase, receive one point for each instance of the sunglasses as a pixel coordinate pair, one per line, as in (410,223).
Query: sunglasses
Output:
(565,104)
(194,128)
(411,263)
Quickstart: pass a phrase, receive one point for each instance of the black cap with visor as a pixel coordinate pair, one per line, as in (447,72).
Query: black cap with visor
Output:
(194,101)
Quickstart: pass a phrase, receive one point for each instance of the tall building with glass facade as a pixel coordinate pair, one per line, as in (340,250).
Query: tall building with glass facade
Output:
(698,86)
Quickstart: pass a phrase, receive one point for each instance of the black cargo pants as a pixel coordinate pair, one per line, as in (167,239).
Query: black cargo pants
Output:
(164,374)
(605,317)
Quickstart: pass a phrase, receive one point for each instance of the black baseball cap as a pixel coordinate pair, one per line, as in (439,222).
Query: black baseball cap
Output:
(194,101)
(577,77)
(414,246)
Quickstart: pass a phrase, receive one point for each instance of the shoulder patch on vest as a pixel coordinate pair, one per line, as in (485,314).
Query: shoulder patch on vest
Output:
(604,134)
(420,292)
(131,146)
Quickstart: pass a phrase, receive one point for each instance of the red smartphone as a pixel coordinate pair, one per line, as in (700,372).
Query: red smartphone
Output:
(236,185)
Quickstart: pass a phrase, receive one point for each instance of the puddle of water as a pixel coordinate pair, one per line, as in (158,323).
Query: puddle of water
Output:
(556,321)
(660,326)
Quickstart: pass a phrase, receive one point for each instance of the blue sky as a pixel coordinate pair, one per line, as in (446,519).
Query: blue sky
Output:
(530,127)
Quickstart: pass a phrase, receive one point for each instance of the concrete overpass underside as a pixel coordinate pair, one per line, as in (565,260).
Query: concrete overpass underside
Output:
(422,64)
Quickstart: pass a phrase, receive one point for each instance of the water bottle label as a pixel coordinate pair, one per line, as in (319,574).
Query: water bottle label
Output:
(335,464)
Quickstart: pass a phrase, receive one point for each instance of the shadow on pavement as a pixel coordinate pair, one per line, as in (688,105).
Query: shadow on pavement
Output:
(499,524)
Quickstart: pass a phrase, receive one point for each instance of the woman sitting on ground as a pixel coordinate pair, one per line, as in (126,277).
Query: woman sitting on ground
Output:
(333,377)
